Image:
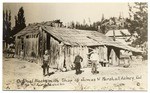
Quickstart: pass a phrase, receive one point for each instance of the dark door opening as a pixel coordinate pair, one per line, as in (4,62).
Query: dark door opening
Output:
(48,42)
(22,43)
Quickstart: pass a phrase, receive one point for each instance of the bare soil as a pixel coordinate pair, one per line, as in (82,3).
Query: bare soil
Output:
(23,75)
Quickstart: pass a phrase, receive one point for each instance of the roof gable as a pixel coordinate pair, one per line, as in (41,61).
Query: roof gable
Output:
(34,28)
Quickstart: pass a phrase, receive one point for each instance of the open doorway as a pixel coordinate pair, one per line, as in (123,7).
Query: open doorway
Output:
(90,50)
(48,42)
(22,43)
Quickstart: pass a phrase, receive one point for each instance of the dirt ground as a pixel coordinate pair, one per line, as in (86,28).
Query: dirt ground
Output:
(24,75)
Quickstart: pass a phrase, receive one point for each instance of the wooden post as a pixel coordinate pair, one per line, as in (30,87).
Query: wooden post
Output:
(114,37)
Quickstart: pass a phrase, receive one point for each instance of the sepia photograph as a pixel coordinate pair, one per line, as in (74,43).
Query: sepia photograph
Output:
(75,46)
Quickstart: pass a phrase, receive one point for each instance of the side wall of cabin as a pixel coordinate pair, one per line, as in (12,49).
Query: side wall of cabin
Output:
(28,44)
(18,46)
(31,46)
(69,56)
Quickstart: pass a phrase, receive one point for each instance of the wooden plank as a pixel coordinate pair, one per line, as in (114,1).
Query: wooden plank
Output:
(54,53)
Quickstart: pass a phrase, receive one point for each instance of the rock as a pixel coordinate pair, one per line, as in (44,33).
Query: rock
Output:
(63,70)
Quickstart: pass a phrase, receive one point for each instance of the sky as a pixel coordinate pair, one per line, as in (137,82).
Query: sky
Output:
(67,12)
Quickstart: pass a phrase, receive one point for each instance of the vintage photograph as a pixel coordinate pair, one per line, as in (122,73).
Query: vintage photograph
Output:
(75,46)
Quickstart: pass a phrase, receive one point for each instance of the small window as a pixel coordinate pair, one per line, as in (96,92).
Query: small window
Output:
(27,36)
(18,37)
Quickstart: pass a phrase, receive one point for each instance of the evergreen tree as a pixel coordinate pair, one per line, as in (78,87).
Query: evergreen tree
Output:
(104,25)
(6,26)
(19,21)
(139,21)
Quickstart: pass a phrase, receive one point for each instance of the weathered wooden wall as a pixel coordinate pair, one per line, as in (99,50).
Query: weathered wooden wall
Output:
(54,53)
(69,56)
(17,46)
(30,46)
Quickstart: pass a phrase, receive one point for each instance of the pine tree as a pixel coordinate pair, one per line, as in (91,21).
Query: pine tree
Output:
(139,21)
(6,26)
(19,21)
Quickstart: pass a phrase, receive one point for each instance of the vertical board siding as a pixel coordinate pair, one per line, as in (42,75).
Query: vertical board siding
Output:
(30,47)
(54,53)
(60,63)
(17,46)
(71,52)
(84,56)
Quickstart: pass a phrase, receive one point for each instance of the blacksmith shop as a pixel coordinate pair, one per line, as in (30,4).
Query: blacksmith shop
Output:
(64,44)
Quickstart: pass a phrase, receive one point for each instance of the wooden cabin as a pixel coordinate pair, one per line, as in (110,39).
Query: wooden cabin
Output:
(64,44)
